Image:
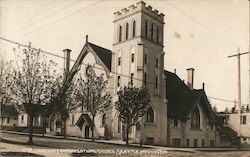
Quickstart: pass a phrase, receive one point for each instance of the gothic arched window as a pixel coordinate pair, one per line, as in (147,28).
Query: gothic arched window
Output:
(146,29)
(103,119)
(150,115)
(157,34)
(127,29)
(120,33)
(195,118)
(152,31)
(134,29)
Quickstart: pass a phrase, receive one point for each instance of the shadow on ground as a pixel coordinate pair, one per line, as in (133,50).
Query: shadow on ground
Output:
(20,154)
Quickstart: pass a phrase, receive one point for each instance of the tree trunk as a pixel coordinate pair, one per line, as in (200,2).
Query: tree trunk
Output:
(127,132)
(64,126)
(30,142)
(93,128)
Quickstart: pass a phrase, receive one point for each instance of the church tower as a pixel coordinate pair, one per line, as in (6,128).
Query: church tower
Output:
(138,59)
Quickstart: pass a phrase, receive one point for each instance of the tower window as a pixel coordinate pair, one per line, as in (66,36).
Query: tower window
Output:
(157,34)
(132,58)
(119,61)
(127,29)
(118,81)
(145,79)
(187,142)
(132,78)
(145,58)
(150,115)
(134,28)
(195,118)
(146,29)
(175,122)
(120,33)
(156,82)
(152,31)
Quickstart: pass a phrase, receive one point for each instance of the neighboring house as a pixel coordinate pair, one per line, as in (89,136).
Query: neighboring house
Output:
(8,115)
(232,120)
(191,121)
(38,120)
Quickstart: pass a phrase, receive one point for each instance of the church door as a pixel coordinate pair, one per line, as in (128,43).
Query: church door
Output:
(86,131)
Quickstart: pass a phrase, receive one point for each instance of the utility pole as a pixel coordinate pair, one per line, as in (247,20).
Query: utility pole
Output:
(239,93)
(249,48)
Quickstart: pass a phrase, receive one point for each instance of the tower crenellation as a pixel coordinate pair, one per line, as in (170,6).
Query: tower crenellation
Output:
(140,6)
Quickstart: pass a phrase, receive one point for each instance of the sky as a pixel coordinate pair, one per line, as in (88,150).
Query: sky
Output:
(199,34)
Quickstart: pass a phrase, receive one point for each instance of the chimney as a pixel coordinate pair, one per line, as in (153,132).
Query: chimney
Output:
(203,86)
(190,78)
(175,71)
(66,60)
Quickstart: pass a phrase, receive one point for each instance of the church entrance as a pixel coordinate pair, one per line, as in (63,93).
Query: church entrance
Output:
(87,131)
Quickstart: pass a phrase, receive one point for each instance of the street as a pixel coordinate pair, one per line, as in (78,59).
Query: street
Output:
(64,147)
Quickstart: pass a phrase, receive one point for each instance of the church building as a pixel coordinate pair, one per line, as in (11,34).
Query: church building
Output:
(178,116)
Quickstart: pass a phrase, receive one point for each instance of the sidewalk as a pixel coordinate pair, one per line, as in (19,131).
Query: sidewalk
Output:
(112,142)
(120,142)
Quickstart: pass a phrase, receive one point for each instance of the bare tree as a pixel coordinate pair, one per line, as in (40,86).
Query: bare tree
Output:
(31,78)
(93,95)
(132,104)
(4,89)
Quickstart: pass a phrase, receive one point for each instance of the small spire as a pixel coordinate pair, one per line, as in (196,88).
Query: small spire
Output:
(87,38)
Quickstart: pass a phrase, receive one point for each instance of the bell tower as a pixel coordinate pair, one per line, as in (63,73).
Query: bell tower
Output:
(138,59)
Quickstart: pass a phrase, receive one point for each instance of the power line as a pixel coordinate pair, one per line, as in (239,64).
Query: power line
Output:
(41,19)
(200,24)
(60,19)
(36,13)
(58,56)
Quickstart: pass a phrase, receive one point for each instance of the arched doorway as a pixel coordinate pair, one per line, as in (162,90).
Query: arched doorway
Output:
(87,131)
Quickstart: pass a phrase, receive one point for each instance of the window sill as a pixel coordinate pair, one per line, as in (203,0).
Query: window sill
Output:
(196,129)
(152,124)
(176,127)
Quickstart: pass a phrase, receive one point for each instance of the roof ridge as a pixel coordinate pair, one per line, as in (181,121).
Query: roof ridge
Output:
(99,46)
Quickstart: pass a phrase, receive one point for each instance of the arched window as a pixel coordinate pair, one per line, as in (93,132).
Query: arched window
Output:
(127,29)
(103,119)
(152,31)
(119,125)
(146,29)
(157,34)
(134,29)
(150,115)
(120,33)
(73,120)
(195,118)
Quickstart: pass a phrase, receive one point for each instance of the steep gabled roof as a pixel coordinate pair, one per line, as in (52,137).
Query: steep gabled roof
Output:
(181,99)
(104,54)
(8,111)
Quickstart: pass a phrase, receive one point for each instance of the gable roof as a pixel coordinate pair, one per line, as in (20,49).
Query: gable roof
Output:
(8,111)
(181,99)
(104,54)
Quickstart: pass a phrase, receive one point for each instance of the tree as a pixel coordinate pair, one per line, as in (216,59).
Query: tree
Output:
(62,102)
(93,95)
(31,78)
(132,104)
(214,109)
(4,86)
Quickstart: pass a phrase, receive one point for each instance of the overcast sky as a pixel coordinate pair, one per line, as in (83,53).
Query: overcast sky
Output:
(198,34)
